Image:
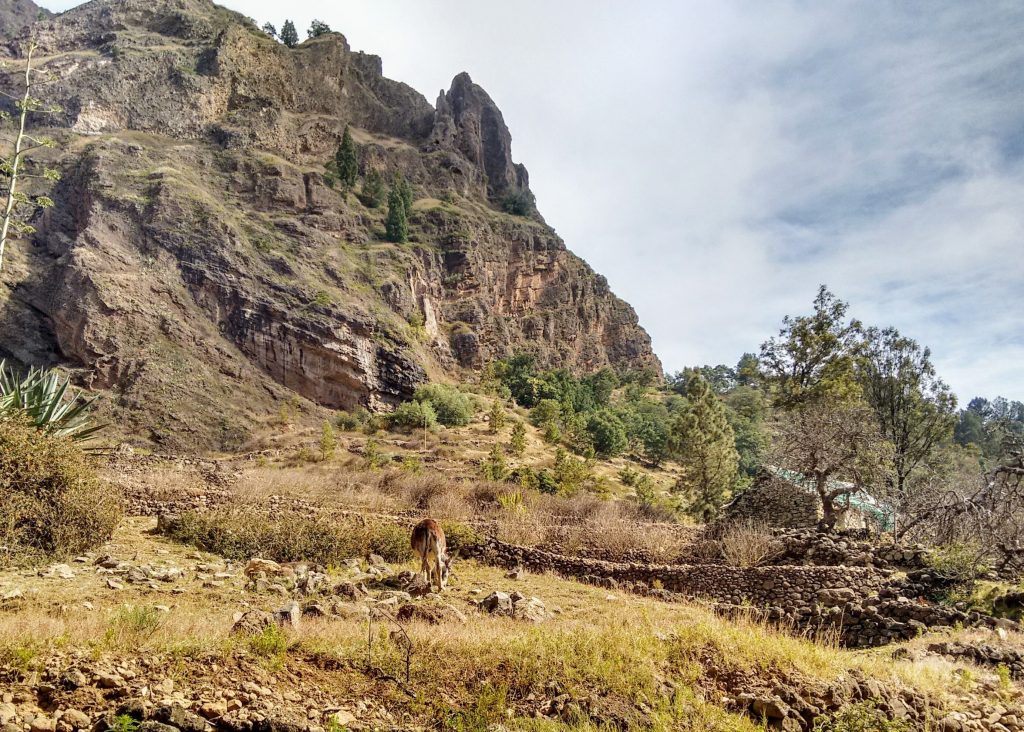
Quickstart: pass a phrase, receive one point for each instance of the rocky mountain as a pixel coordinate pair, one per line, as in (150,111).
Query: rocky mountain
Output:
(16,15)
(200,266)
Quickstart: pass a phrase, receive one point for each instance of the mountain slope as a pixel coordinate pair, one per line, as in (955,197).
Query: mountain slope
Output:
(199,266)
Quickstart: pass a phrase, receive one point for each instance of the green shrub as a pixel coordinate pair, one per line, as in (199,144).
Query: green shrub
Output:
(412,415)
(391,542)
(519,203)
(43,397)
(245,531)
(570,472)
(462,537)
(53,503)
(961,562)
(452,407)
(347,421)
(517,443)
(607,433)
(547,483)
(546,412)
(859,717)
(271,642)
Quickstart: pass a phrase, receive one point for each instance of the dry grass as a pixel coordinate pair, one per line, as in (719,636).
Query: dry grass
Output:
(748,544)
(615,650)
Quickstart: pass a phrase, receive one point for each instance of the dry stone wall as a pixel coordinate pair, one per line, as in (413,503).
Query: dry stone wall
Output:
(755,585)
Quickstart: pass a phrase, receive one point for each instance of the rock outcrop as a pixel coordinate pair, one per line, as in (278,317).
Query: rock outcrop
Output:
(16,15)
(200,266)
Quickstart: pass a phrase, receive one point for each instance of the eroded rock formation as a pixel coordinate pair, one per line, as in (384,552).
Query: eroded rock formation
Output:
(200,266)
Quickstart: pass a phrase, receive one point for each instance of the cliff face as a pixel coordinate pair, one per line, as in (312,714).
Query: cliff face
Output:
(16,15)
(198,266)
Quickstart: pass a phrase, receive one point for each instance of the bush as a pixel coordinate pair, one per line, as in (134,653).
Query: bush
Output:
(462,537)
(519,203)
(242,532)
(347,421)
(48,402)
(607,433)
(962,562)
(452,407)
(748,544)
(53,503)
(411,415)
(546,412)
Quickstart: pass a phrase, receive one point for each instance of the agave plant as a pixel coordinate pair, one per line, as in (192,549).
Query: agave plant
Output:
(44,397)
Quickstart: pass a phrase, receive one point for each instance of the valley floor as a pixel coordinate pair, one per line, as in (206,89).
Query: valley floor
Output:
(142,630)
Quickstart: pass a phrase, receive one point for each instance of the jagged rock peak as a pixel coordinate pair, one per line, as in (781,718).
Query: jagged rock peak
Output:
(468,120)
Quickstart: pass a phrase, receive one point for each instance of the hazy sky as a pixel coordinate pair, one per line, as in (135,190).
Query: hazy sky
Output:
(719,160)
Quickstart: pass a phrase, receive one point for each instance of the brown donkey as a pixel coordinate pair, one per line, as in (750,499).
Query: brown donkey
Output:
(429,543)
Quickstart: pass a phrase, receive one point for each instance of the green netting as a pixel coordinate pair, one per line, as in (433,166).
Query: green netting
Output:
(860,501)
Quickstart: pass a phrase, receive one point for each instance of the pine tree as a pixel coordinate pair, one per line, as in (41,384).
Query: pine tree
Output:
(289,36)
(497,417)
(495,467)
(270,30)
(703,443)
(346,160)
(374,193)
(405,191)
(517,445)
(397,224)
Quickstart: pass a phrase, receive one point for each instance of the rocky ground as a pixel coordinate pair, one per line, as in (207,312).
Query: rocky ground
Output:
(155,632)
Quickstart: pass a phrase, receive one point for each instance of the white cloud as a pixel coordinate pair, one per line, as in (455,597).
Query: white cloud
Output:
(717,161)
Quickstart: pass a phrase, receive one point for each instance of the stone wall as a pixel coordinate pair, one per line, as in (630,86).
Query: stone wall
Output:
(756,585)
(775,503)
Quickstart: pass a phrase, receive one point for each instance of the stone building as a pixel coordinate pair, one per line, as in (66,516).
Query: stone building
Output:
(786,499)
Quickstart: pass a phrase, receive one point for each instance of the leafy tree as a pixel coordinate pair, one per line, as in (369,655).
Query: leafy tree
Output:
(452,407)
(270,30)
(374,194)
(497,417)
(397,224)
(990,424)
(601,385)
(346,160)
(837,446)
(517,444)
(328,441)
(915,409)
(289,36)
(720,378)
(813,355)
(318,28)
(607,433)
(705,446)
(552,434)
(17,167)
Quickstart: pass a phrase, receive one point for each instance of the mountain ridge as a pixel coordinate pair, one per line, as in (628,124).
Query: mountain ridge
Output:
(198,246)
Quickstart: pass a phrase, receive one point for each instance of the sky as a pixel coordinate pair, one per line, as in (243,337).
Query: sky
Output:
(717,161)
